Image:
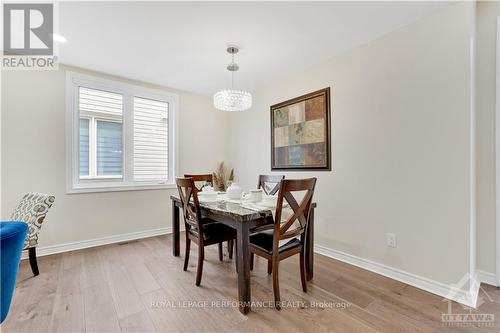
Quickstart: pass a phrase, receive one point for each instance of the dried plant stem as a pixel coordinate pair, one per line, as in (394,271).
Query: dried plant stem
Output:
(220,178)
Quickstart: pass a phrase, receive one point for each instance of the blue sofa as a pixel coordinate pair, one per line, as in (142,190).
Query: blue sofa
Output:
(12,236)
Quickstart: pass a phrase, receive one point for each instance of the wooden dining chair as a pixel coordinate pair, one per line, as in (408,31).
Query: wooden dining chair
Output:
(270,184)
(208,179)
(201,230)
(266,243)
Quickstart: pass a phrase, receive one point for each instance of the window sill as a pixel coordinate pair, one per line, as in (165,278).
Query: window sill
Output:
(119,188)
(101,177)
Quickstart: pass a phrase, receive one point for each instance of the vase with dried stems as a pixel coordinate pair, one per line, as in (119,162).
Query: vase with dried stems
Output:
(220,178)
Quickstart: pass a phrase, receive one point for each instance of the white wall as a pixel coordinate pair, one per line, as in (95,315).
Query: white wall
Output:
(400,143)
(487,13)
(33,156)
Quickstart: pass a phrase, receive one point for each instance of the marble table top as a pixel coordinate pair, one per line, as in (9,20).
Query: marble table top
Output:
(232,210)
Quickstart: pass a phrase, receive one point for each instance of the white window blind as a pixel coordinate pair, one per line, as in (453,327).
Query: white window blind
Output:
(150,140)
(102,102)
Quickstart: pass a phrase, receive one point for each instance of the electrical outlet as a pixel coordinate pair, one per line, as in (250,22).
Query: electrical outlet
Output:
(391,240)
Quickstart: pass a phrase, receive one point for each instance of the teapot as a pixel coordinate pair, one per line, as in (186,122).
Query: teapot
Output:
(234,191)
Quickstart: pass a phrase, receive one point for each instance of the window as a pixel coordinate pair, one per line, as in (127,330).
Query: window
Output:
(121,136)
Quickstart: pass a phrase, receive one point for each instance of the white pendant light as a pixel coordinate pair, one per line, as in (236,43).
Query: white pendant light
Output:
(230,99)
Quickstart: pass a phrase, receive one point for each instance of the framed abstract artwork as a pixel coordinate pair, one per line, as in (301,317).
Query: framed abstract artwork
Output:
(300,133)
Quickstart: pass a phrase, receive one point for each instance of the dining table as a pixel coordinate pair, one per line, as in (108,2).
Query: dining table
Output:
(246,221)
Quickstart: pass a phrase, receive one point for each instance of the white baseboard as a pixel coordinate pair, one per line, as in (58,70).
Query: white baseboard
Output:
(487,277)
(475,285)
(53,249)
(435,287)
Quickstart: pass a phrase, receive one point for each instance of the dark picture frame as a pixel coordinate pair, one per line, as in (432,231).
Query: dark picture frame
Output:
(301,133)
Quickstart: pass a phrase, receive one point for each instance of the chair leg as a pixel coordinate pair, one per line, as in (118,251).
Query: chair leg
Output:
(221,255)
(230,248)
(251,261)
(33,263)
(303,270)
(199,269)
(269,266)
(276,285)
(186,255)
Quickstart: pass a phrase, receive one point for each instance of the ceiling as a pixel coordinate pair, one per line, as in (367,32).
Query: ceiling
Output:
(183,45)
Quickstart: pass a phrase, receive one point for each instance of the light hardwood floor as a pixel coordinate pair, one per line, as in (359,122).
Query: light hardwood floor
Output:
(140,287)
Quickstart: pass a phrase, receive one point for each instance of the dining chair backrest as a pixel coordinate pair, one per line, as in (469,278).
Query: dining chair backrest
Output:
(205,178)
(288,228)
(270,184)
(187,191)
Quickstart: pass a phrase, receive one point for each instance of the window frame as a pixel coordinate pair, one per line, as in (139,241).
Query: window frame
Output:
(76,184)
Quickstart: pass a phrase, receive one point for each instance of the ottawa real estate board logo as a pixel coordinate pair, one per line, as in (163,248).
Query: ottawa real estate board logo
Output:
(28,36)
(465,316)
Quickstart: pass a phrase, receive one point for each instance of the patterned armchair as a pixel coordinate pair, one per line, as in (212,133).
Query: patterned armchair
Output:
(32,210)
